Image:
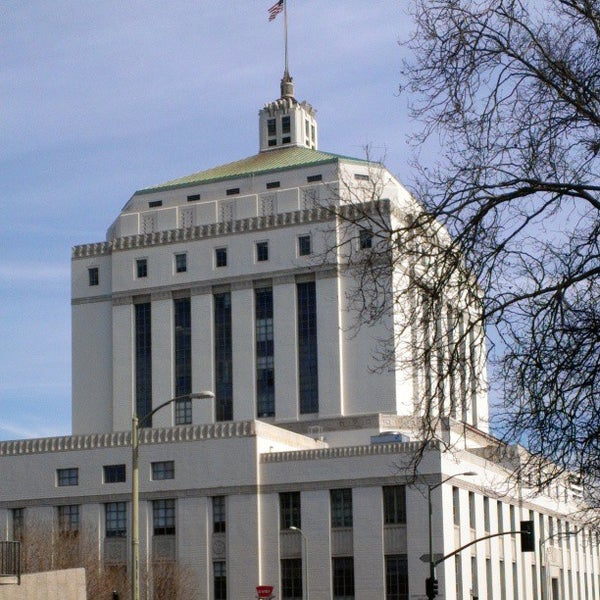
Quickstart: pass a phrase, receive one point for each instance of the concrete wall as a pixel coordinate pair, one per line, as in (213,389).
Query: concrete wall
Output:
(53,585)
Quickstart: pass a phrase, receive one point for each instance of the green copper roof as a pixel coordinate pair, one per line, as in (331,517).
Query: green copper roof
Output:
(264,162)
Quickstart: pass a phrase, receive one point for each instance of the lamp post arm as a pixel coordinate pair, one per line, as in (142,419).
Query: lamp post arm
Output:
(481,539)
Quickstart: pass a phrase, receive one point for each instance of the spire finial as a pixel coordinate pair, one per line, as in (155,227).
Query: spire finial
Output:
(287,85)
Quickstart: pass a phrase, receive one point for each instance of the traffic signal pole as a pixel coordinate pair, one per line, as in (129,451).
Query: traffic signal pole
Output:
(527,545)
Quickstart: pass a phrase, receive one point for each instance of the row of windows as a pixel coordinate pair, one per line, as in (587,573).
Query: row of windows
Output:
(116,473)
(393,505)
(180,265)
(307,364)
(342,578)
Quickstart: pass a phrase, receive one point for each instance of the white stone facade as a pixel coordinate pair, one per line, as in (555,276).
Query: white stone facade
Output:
(204,236)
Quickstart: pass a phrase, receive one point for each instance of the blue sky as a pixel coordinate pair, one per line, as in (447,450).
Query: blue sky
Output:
(98,99)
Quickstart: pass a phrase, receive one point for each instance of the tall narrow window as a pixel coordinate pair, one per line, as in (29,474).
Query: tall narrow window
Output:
(341,507)
(93,276)
(308,379)
(456,505)
(262,251)
(223,357)
(486,514)
(183,360)
(68,520)
(365,239)
(141,265)
(472,521)
(289,510)
(143,363)
(116,519)
(342,568)
(265,366)
(396,577)
(180,263)
(394,504)
(291,578)
(219,514)
(163,517)
(18,524)
(220,580)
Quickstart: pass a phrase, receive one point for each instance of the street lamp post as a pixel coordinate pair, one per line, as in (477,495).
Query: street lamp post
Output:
(305,544)
(430,488)
(135,490)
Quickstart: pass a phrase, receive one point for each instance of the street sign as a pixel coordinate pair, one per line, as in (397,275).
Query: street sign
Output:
(264,591)
(436,557)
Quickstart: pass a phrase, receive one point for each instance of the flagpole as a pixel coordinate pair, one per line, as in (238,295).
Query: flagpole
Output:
(285,35)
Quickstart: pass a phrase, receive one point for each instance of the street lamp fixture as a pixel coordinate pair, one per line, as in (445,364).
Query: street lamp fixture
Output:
(135,491)
(431,587)
(305,544)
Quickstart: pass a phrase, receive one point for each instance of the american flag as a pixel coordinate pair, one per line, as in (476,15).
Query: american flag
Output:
(275,9)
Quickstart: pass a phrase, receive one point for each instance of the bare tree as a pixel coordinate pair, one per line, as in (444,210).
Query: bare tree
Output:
(45,547)
(509,92)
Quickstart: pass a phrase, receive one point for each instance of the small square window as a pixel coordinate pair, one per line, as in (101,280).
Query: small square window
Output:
(221,257)
(262,251)
(232,191)
(365,239)
(154,203)
(193,198)
(286,140)
(271,185)
(304,245)
(314,178)
(67,476)
(93,276)
(163,470)
(180,263)
(361,177)
(141,265)
(114,473)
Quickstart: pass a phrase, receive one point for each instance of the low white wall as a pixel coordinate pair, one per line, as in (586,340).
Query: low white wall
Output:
(68,584)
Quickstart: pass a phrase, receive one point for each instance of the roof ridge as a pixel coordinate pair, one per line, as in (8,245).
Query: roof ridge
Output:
(263,162)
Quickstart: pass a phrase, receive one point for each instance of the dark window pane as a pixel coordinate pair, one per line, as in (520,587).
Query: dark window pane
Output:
(341,507)
(183,360)
(163,517)
(67,476)
(291,578)
(163,470)
(289,510)
(343,577)
(93,276)
(308,376)
(114,473)
(221,257)
(394,504)
(262,251)
(265,371)
(223,357)
(116,519)
(396,577)
(143,363)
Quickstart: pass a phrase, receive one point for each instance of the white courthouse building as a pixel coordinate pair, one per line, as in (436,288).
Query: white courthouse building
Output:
(227,280)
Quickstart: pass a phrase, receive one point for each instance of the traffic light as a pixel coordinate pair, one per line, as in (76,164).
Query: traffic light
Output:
(431,588)
(527,537)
